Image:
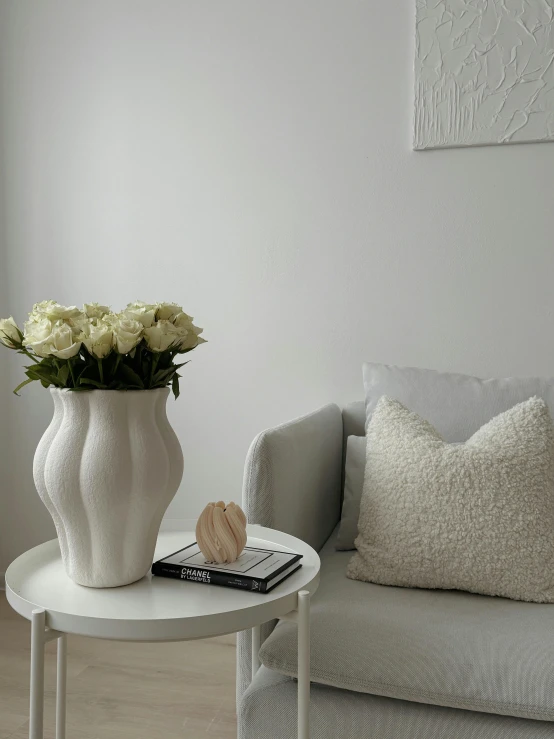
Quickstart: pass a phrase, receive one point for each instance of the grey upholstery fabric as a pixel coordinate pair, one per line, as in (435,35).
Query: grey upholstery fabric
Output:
(292,483)
(444,648)
(456,405)
(268,711)
(353,424)
(268,707)
(292,476)
(353,488)
(353,419)
(244,657)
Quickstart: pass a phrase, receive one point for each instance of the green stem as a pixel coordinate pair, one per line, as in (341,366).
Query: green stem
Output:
(100,370)
(25,382)
(28,354)
(71,372)
(155,360)
(138,354)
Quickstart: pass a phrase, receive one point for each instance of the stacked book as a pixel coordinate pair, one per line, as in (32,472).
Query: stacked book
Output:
(256,570)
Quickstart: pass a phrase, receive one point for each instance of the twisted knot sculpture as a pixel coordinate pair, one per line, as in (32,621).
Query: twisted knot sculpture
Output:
(221,532)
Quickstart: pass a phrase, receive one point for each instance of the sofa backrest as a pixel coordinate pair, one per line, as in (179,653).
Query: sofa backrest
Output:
(353,419)
(456,405)
(353,424)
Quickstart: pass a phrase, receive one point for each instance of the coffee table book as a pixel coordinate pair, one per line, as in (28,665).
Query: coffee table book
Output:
(256,570)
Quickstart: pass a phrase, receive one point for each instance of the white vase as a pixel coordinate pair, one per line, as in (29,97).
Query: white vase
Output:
(106,468)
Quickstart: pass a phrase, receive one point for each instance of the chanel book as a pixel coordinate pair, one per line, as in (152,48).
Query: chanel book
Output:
(256,570)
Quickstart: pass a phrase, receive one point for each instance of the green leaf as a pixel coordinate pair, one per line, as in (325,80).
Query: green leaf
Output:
(153,367)
(129,376)
(44,374)
(63,374)
(163,377)
(7,342)
(89,381)
(78,369)
(90,370)
(175,385)
(22,384)
(164,360)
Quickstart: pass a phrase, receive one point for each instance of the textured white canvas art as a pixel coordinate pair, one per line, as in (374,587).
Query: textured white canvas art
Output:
(484,72)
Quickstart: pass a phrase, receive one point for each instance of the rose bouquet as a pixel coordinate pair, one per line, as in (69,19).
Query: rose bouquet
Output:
(95,348)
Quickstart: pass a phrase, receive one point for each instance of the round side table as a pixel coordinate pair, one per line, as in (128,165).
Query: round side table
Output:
(155,609)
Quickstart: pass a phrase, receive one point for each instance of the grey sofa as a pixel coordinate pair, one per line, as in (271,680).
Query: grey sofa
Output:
(387,663)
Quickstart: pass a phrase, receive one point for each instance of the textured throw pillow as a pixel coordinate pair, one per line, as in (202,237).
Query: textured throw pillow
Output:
(353,486)
(477,516)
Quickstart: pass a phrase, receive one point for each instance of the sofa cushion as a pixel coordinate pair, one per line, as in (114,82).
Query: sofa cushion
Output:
(446,648)
(456,405)
(354,469)
(353,419)
(476,516)
(268,711)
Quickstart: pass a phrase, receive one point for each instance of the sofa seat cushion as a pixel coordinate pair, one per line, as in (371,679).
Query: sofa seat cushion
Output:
(445,648)
(268,711)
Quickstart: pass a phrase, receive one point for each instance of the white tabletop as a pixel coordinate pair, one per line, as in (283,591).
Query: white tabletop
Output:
(154,608)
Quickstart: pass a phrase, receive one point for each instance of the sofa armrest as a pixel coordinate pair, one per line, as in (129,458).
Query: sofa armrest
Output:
(292,476)
(292,482)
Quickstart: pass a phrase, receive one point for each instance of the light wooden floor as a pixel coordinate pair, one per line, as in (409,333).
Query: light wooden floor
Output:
(117,690)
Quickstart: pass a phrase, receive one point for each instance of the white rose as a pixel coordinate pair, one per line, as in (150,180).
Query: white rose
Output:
(38,336)
(9,333)
(163,335)
(98,339)
(111,319)
(80,323)
(168,311)
(143,312)
(95,310)
(63,344)
(54,311)
(192,339)
(127,334)
(142,304)
(183,320)
(39,309)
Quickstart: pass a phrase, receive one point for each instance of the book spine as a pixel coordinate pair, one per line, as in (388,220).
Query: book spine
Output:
(208,578)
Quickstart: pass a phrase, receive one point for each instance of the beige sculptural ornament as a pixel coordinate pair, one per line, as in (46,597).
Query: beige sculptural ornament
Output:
(221,532)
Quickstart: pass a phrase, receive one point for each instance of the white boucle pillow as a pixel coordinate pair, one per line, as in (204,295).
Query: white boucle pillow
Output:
(477,516)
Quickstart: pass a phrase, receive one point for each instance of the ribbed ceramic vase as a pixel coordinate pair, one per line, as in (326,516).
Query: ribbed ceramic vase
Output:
(106,468)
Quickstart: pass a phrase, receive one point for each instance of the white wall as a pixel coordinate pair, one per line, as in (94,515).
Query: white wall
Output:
(252,160)
(5,482)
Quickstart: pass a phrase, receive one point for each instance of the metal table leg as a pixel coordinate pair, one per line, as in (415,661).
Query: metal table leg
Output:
(40,635)
(301,616)
(61,687)
(303,664)
(256,644)
(36,715)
